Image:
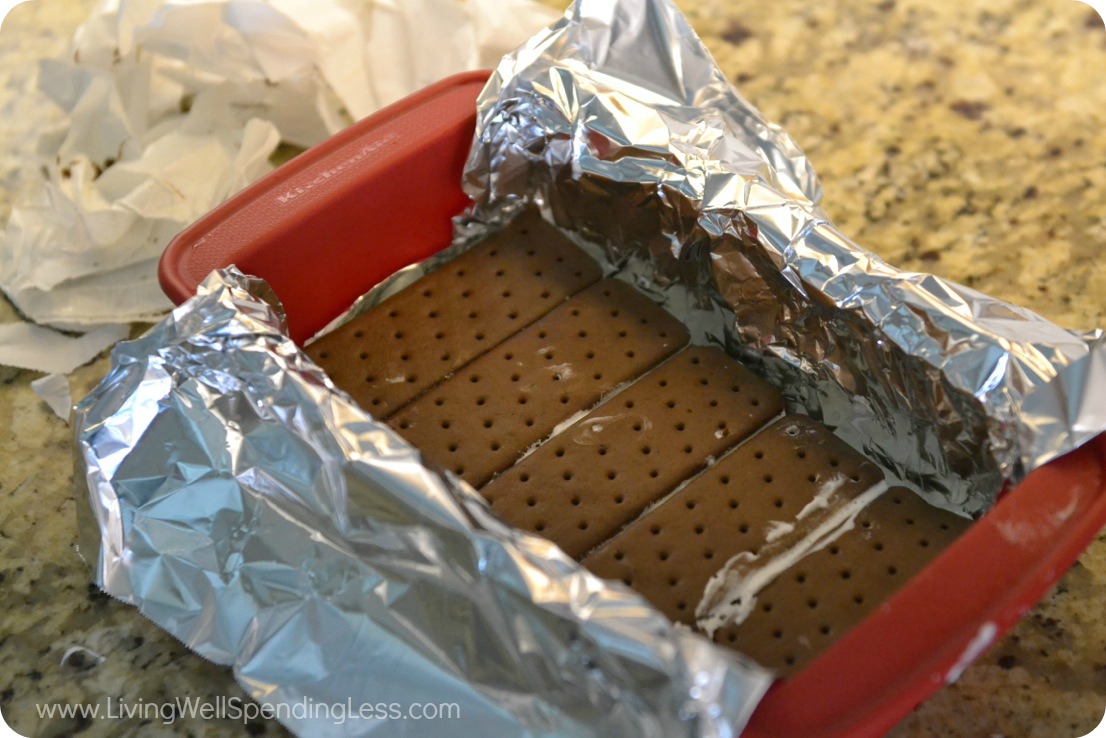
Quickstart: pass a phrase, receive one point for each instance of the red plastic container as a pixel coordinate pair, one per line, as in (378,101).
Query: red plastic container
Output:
(336,220)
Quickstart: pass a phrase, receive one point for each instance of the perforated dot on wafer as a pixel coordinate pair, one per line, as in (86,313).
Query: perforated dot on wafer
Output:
(579,488)
(484,417)
(395,351)
(670,553)
(804,611)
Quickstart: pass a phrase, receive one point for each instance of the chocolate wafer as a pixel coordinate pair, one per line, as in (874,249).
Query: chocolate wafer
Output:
(803,611)
(670,553)
(407,343)
(595,479)
(484,417)
(597,475)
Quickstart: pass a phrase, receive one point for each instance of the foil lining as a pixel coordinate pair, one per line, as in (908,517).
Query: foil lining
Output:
(619,125)
(247,506)
(251,509)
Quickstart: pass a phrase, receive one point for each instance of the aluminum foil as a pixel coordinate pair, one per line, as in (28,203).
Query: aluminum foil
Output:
(251,509)
(617,122)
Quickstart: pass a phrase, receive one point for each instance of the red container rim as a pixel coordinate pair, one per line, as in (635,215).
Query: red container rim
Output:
(337,219)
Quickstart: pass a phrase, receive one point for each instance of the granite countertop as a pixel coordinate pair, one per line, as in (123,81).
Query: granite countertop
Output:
(962,138)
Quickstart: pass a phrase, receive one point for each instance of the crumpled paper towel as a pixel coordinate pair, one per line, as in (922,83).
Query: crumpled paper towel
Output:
(173,106)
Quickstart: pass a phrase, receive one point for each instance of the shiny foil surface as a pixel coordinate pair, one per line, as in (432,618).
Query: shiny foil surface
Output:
(250,508)
(617,122)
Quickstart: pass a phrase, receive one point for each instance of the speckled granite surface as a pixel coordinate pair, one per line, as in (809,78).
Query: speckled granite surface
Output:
(962,138)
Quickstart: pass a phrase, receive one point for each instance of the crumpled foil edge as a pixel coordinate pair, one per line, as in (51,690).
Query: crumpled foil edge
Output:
(619,125)
(247,506)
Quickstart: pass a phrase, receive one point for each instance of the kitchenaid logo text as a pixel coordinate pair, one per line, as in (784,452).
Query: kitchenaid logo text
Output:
(244,710)
(325,176)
